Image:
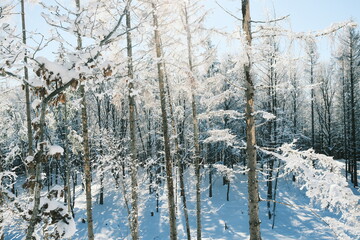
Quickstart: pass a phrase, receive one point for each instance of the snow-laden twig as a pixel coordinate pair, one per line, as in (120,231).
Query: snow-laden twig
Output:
(324,185)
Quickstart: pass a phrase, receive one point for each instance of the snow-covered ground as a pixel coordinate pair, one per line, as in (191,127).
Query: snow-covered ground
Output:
(221,219)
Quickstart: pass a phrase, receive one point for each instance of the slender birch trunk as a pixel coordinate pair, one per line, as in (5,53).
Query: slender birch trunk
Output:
(273,127)
(67,161)
(345,136)
(353,109)
(87,161)
(253,188)
(27,91)
(168,162)
(38,158)
(35,166)
(312,105)
(1,214)
(178,161)
(133,166)
(195,124)
(1,202)
(101,195)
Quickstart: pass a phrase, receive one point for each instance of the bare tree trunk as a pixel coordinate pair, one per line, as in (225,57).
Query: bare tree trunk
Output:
(1,202)
(353,121)
(39,158)
(178,161)
(101,196)
(345,139)
(67,162)
(210,180)
(37,161)
(27,91)
(273,124)
(312,55)
(275,189)
(312,106)
(1,218)
(195,125)
(168,162)
(35,165)
(133,166)
(37,190)
(253,188)
(87,161)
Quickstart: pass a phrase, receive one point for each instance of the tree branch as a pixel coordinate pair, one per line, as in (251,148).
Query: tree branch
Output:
(252,21)
(58,90)
(107,38)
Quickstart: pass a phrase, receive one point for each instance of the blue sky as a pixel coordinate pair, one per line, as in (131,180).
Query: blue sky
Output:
(305,15)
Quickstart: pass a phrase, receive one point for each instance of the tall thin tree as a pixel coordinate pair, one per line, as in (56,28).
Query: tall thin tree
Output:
(168,161)
(132,124)
(312,58)
(27,91)
(253,186)
(195,120)
(86,148)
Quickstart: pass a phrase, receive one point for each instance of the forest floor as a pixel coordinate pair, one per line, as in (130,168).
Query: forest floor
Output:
(221,219)
(296,217)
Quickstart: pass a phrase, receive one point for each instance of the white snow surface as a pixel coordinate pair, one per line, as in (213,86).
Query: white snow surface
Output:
(302,218)
(220,135)
(55,149)
(266,115)
(58,69)
(36,103)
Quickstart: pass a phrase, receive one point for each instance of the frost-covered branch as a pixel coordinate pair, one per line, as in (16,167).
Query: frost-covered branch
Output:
(324,185)
(267,31)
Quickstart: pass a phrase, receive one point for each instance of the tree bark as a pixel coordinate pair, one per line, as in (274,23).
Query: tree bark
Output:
(168,162)
(178,161)
(273,123)
(38,158)
(353,121)
(67,162)
(312,105)
(86,148)
(101,195)
(195,124)
(133,166)
(27,91)
(87,163)
(253,188)
(1,201)
(344,112)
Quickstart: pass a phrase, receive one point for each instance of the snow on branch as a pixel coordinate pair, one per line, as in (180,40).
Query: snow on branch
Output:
(265,115)
(221,113)
(59,224)
(320,176)
(56,70)
(220,135)
(334,27)
(266,31)
(55,150)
